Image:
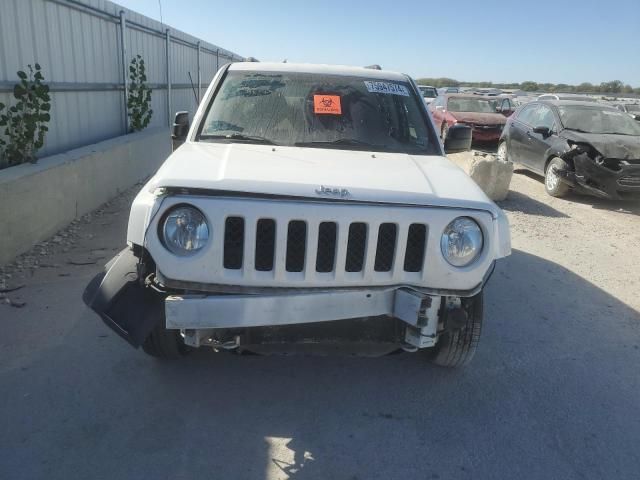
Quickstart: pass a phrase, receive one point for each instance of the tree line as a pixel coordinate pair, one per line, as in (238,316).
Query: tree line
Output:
(612,87)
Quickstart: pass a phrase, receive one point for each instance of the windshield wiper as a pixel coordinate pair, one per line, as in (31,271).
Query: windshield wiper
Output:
(240,136)
(342,141)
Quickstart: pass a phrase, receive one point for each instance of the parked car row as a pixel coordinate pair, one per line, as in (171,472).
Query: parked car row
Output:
(632,109)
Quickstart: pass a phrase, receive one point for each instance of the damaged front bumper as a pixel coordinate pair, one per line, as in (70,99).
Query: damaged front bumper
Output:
(210,312)
(606,178)
(133,307)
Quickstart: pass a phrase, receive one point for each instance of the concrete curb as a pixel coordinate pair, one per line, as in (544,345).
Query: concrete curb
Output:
(40,199)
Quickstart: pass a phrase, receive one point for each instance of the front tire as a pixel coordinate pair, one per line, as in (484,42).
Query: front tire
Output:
(456,348)
(553,185)
(164,344)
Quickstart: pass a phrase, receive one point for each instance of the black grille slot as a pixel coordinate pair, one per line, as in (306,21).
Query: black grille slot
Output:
(326,256)
(296,245)
(356,247)
(233,242)
(265,244)
(414,254)
(386,247)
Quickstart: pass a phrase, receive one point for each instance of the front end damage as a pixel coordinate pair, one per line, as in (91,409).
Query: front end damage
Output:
(132,301)
(591,172)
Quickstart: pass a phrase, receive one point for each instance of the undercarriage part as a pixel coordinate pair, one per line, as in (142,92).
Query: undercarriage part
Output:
(369,330)
(454,316)
(372,336)
(218,340)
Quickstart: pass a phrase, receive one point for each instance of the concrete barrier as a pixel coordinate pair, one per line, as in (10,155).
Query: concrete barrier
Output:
(37,200)
(493,176)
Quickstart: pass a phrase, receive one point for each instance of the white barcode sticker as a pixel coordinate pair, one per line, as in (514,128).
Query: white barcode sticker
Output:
(386,87)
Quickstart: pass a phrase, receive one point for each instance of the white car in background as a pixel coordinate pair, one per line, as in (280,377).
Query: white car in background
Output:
(428,93)
(309,206)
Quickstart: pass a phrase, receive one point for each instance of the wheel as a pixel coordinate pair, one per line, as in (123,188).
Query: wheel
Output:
(552,183)
(456,348)
(164,344)
(445,131)
(503,154)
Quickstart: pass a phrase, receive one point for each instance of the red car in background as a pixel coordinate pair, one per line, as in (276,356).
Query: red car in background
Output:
(485,115)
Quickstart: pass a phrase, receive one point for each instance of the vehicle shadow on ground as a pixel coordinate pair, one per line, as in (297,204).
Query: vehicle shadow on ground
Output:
(552,393)
(519,202)
(631,207)
(620,206)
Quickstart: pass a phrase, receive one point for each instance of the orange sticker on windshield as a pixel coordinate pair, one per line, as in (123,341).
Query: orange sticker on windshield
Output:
(327,104)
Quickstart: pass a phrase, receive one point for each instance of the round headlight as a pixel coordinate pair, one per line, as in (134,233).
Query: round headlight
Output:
(461,242)
(185,230)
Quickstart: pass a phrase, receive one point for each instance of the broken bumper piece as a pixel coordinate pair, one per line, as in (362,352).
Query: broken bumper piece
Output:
(124,304)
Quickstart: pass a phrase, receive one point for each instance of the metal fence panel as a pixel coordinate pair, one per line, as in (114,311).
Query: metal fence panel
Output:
(78,44)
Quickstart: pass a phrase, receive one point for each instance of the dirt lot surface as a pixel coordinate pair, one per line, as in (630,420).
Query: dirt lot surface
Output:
(552,393)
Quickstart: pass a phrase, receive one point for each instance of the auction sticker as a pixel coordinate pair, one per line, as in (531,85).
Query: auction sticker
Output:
(386,87)
(327,105)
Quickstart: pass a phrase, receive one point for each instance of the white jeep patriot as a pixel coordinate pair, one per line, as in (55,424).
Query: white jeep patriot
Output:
(310,207)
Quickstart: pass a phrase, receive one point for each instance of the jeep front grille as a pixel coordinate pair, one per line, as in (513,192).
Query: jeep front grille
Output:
(325,245)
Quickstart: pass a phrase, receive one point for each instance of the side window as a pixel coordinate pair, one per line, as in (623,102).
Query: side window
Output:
(506,105)
(546,118)
(527,114)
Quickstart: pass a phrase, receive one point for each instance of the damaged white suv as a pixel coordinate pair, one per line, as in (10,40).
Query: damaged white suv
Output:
(311,207)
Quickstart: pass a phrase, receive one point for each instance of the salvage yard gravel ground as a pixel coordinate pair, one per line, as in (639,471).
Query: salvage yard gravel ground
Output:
(552,393)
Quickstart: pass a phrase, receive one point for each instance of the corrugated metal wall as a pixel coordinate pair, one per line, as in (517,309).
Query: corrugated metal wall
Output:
(78,45)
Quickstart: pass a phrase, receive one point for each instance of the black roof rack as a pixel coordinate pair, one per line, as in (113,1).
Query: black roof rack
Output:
(374,67)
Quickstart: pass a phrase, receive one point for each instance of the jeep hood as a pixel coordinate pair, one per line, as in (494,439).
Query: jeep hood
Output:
(621,147)
(298,172)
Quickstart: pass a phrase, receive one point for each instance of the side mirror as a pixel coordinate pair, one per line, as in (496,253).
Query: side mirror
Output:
(458,139)
(544,131)
(180,129)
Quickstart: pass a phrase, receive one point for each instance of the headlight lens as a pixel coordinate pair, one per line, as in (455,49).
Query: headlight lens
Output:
(461,242)
(185,230)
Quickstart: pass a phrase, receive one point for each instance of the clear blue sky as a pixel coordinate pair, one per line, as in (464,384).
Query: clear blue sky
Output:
(561,41)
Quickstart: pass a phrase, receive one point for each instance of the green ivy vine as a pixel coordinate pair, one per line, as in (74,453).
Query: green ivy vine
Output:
(139,99)
(25,122)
